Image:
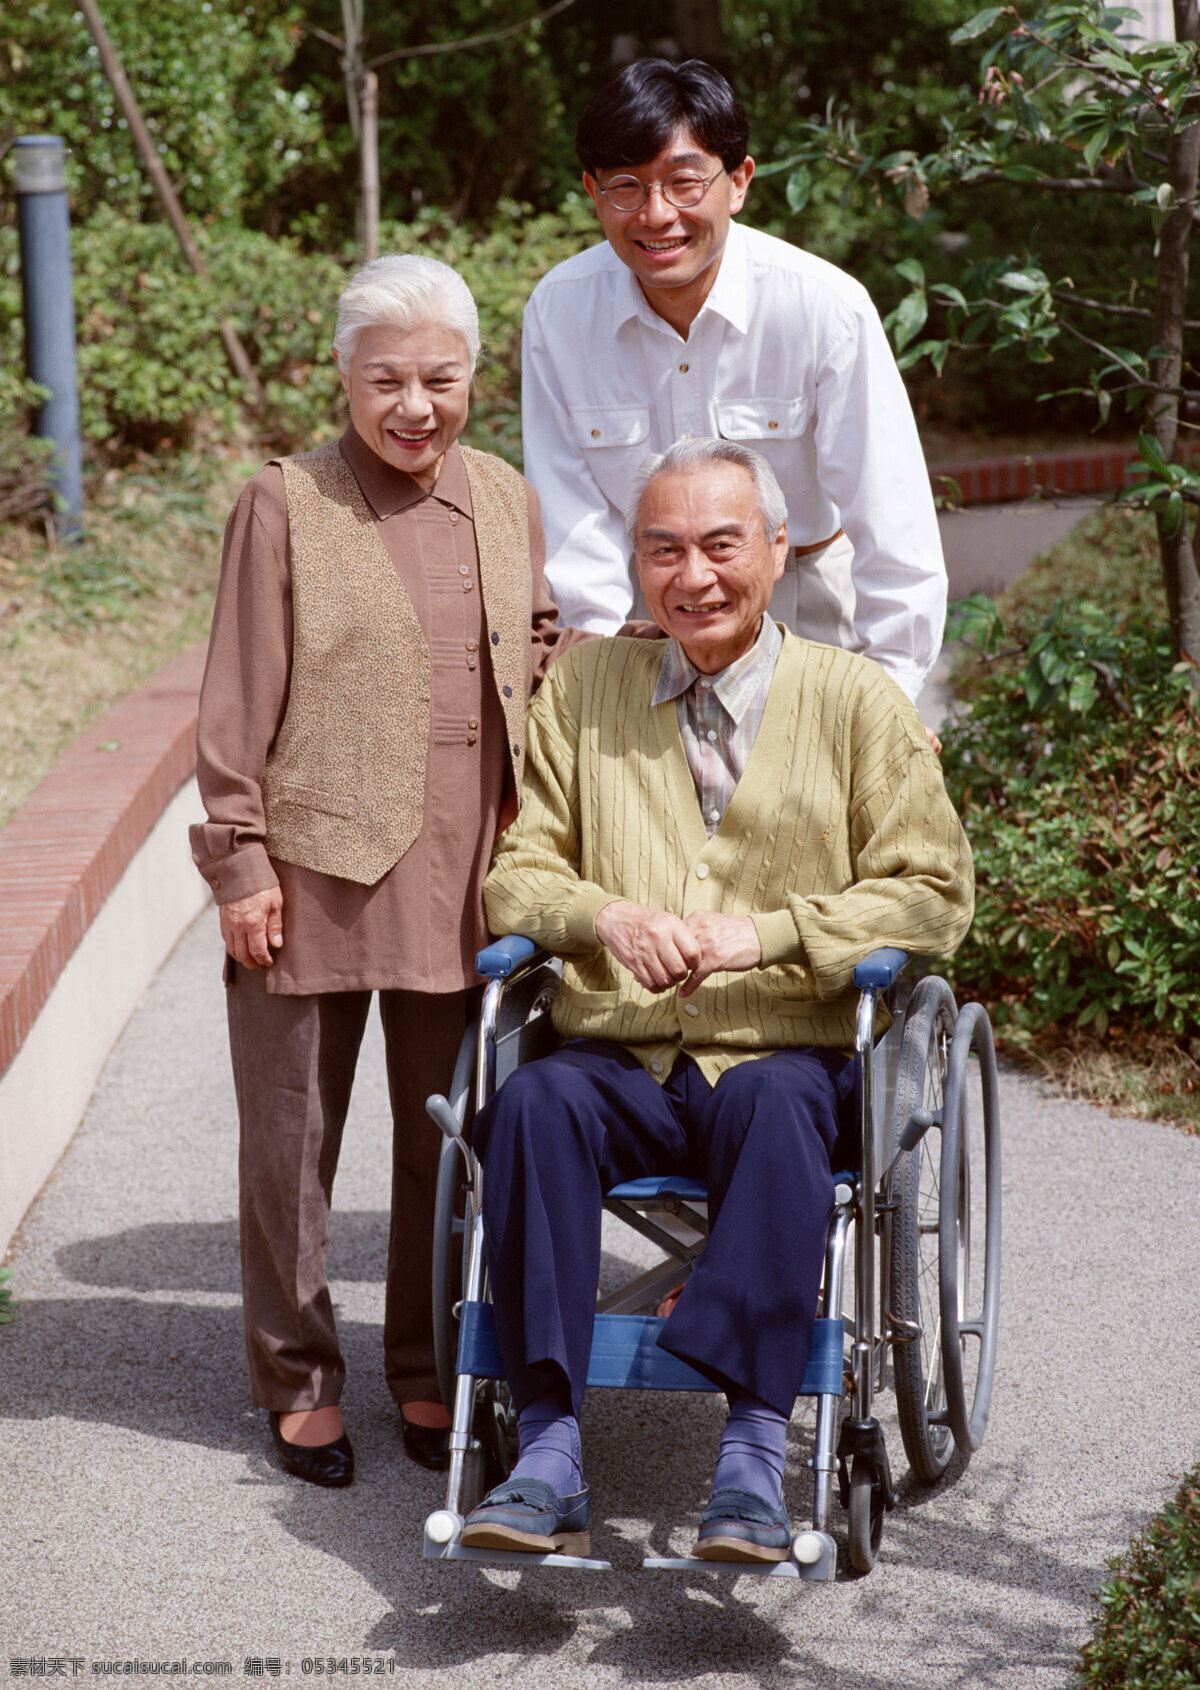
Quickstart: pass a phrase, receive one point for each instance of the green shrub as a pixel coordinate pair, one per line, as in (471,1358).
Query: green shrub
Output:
(152,369)
(8,1310)
(1148,1634)
(1077,774)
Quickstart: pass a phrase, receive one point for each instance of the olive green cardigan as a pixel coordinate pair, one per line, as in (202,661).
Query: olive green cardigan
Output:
(839,838)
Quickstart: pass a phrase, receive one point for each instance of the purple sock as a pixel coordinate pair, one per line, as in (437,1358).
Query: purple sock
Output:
(753,1448)
(548,1436)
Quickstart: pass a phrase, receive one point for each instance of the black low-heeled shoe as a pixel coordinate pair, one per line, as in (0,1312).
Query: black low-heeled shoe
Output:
(428,1446)
(331,1465)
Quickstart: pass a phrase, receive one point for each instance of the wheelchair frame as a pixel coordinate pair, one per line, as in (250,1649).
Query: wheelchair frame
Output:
(908,1297)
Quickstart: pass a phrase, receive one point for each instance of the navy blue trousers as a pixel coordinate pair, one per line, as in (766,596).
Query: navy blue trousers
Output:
(561,1132)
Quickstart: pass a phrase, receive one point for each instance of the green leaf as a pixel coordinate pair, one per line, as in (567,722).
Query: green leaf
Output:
(1081,694)
(951,294)
(909,319)
(978,25)
(911,271)
(1022,281)
(799,187)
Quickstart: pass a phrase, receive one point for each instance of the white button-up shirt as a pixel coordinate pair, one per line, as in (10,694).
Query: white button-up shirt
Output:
(787,355)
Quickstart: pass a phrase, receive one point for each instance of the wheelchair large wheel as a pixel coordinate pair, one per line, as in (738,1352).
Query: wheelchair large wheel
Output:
(914,1311)
(969,1264)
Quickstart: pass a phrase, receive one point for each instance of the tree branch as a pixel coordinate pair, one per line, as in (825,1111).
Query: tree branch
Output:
(1143,382)
(1063,184)
(468,40)
(1070,298)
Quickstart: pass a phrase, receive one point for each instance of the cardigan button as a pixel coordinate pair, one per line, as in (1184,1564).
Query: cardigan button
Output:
(495,639)
(516,749)
(701,871)
(690,1009)
(507,691)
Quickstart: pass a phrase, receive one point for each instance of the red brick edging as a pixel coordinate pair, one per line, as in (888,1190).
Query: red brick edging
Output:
(1095,469)
(75,835)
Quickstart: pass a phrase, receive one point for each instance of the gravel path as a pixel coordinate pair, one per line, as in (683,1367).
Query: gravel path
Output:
(144,1521)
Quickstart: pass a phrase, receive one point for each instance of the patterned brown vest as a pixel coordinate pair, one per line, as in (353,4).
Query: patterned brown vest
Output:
(344,783)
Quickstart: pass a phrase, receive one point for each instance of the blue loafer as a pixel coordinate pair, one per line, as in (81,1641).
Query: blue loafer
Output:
(527,1514)
(739,1526)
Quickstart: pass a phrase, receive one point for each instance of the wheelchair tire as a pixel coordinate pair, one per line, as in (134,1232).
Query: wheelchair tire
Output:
(865,1515)
(914,1298)
(961,1252)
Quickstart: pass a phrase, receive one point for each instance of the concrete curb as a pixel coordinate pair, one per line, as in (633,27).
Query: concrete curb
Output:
(96,886)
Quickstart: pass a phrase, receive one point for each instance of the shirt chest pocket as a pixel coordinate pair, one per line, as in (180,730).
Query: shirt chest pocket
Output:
(764,421)
(613,440)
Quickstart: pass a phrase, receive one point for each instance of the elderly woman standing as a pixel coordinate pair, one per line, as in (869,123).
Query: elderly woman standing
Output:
(380,623)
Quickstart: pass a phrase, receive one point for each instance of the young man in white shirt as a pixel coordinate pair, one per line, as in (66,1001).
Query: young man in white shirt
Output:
(685,324)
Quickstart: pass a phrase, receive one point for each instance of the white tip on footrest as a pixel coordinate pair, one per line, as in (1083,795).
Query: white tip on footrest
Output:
(442,1526)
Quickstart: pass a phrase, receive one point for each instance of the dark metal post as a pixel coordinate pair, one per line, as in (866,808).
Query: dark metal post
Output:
(49,310)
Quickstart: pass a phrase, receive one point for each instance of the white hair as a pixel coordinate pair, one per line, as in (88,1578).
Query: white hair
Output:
(404,290)
(685,457)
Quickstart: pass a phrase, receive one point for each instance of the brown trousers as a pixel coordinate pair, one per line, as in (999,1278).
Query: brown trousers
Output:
(293,1067)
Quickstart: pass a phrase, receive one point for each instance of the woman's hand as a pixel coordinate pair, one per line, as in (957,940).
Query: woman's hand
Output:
(253,927)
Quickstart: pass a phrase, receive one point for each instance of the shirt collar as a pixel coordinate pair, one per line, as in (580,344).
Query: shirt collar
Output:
(735,686)
(388,490)
(728,297)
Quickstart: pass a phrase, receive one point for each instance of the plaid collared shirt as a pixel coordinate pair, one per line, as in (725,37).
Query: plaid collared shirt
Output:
(719,715)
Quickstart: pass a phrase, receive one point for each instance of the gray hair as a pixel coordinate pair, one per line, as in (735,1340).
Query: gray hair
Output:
(403,290)
(685,457)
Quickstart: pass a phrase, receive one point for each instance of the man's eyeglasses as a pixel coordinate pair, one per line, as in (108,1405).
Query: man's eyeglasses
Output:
(627,193)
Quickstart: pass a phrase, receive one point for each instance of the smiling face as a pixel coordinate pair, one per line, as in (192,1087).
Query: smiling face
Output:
(674,254)
(408,391)
(705,563)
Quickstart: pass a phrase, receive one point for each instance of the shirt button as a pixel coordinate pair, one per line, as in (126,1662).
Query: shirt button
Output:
(454,516)
(691,1009)
(683,369)
(714,815)
(711,736)
(705,682)
(656,1066)
(701,871)
(595,434)
(463,569)
(772,425)
(472,645)
(472,721)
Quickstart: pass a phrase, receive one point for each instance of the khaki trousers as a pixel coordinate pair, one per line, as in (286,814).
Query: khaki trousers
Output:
(293,1068)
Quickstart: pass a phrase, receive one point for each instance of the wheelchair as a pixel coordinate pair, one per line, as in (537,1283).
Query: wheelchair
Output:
(911,1279)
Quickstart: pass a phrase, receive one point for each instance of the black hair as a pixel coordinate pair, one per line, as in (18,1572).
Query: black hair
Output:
(637,111)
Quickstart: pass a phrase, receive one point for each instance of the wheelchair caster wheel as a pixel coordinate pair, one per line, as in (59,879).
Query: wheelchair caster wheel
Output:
(866,1515)
(442,1526)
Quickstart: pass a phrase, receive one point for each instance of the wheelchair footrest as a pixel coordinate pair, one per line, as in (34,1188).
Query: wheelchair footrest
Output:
(511,1558)
(692,1564)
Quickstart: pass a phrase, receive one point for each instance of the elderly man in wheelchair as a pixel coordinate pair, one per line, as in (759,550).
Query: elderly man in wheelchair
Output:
(713,832)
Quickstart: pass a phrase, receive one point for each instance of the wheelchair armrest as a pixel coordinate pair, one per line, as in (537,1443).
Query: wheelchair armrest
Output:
(881,968)
(499,959)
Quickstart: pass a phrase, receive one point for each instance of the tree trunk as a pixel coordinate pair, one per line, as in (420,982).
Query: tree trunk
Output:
(1181,575)
(369,147)
(230,340)
(699,33)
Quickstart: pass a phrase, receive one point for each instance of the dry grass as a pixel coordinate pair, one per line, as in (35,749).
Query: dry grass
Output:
(81,625)
(1151,1078)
